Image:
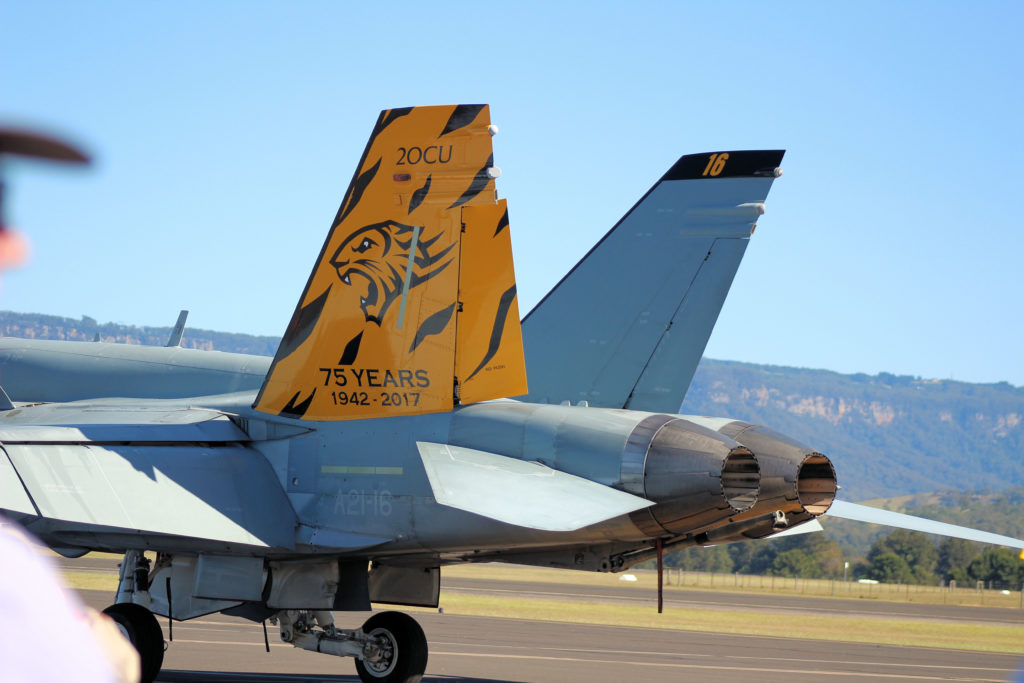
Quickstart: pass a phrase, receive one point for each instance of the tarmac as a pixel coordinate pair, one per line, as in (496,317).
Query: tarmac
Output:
(493,650)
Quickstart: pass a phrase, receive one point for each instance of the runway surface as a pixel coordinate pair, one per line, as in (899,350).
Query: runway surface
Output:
(493,650)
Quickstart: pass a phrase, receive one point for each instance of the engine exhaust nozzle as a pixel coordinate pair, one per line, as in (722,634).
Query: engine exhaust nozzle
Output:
(696,476)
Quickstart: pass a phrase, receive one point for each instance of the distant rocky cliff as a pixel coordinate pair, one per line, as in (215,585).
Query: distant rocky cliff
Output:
(886,434)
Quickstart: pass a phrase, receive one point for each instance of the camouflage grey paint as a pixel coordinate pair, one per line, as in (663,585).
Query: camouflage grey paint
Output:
(36,370)
(661,275)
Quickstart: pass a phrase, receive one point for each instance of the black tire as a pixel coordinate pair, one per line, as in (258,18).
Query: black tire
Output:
(403,639)
(145,633)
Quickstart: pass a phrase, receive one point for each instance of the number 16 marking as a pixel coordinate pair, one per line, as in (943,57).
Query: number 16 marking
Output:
(716,164)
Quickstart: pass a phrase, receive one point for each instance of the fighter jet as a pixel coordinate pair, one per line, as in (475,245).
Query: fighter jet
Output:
(394,432)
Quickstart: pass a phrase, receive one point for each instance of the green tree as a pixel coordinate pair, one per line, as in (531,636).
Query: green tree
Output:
(955,554)
(918,554)
(713,559)
(1000,566)
(807,555)
(827,554)
(795,562)
(753,557)
(889,567)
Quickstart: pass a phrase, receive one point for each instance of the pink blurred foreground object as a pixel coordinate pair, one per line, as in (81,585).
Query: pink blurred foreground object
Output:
(34,601)
(14,249)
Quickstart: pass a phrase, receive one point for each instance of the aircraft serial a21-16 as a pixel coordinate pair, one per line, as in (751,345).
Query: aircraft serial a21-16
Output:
(394,432)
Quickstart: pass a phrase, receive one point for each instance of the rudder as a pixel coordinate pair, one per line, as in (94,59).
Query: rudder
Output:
(377,329)
(626,327)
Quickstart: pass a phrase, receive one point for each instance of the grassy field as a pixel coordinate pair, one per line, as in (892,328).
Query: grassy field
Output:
(676,580)
(921,633)
(1007,639)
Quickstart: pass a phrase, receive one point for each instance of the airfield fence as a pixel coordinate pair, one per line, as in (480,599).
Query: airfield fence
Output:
(975,594)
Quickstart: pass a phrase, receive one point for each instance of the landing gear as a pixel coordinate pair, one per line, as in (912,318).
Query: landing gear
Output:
(132,615)
(396,652)
(389,648)
(140,627)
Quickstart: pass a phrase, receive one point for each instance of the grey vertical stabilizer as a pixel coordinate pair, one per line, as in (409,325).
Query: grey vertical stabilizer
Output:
(179,329)
(5,401)
(626,327)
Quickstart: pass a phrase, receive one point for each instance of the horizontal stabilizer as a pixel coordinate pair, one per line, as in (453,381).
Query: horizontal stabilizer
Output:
(526,494)
(221,497)
(118,422)
(863,513)
(808,527)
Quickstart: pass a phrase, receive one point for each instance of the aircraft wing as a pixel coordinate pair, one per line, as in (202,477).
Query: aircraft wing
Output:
(50,371)
(864,513)
(118,472)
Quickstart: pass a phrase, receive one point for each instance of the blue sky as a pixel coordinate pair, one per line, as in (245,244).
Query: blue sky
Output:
(224,135)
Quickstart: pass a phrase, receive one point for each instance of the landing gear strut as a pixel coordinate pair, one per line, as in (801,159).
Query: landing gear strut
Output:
(389,648)
(132,616)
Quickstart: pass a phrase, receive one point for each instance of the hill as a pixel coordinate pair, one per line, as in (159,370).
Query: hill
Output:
(887,435)
(39,326)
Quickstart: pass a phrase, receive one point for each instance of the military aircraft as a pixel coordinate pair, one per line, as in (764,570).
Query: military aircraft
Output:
(394,432)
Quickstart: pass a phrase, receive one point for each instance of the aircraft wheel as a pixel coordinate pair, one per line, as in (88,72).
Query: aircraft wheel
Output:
(401,655)
(142,629)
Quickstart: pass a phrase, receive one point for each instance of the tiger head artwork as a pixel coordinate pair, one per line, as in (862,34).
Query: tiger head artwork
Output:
(379,254)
